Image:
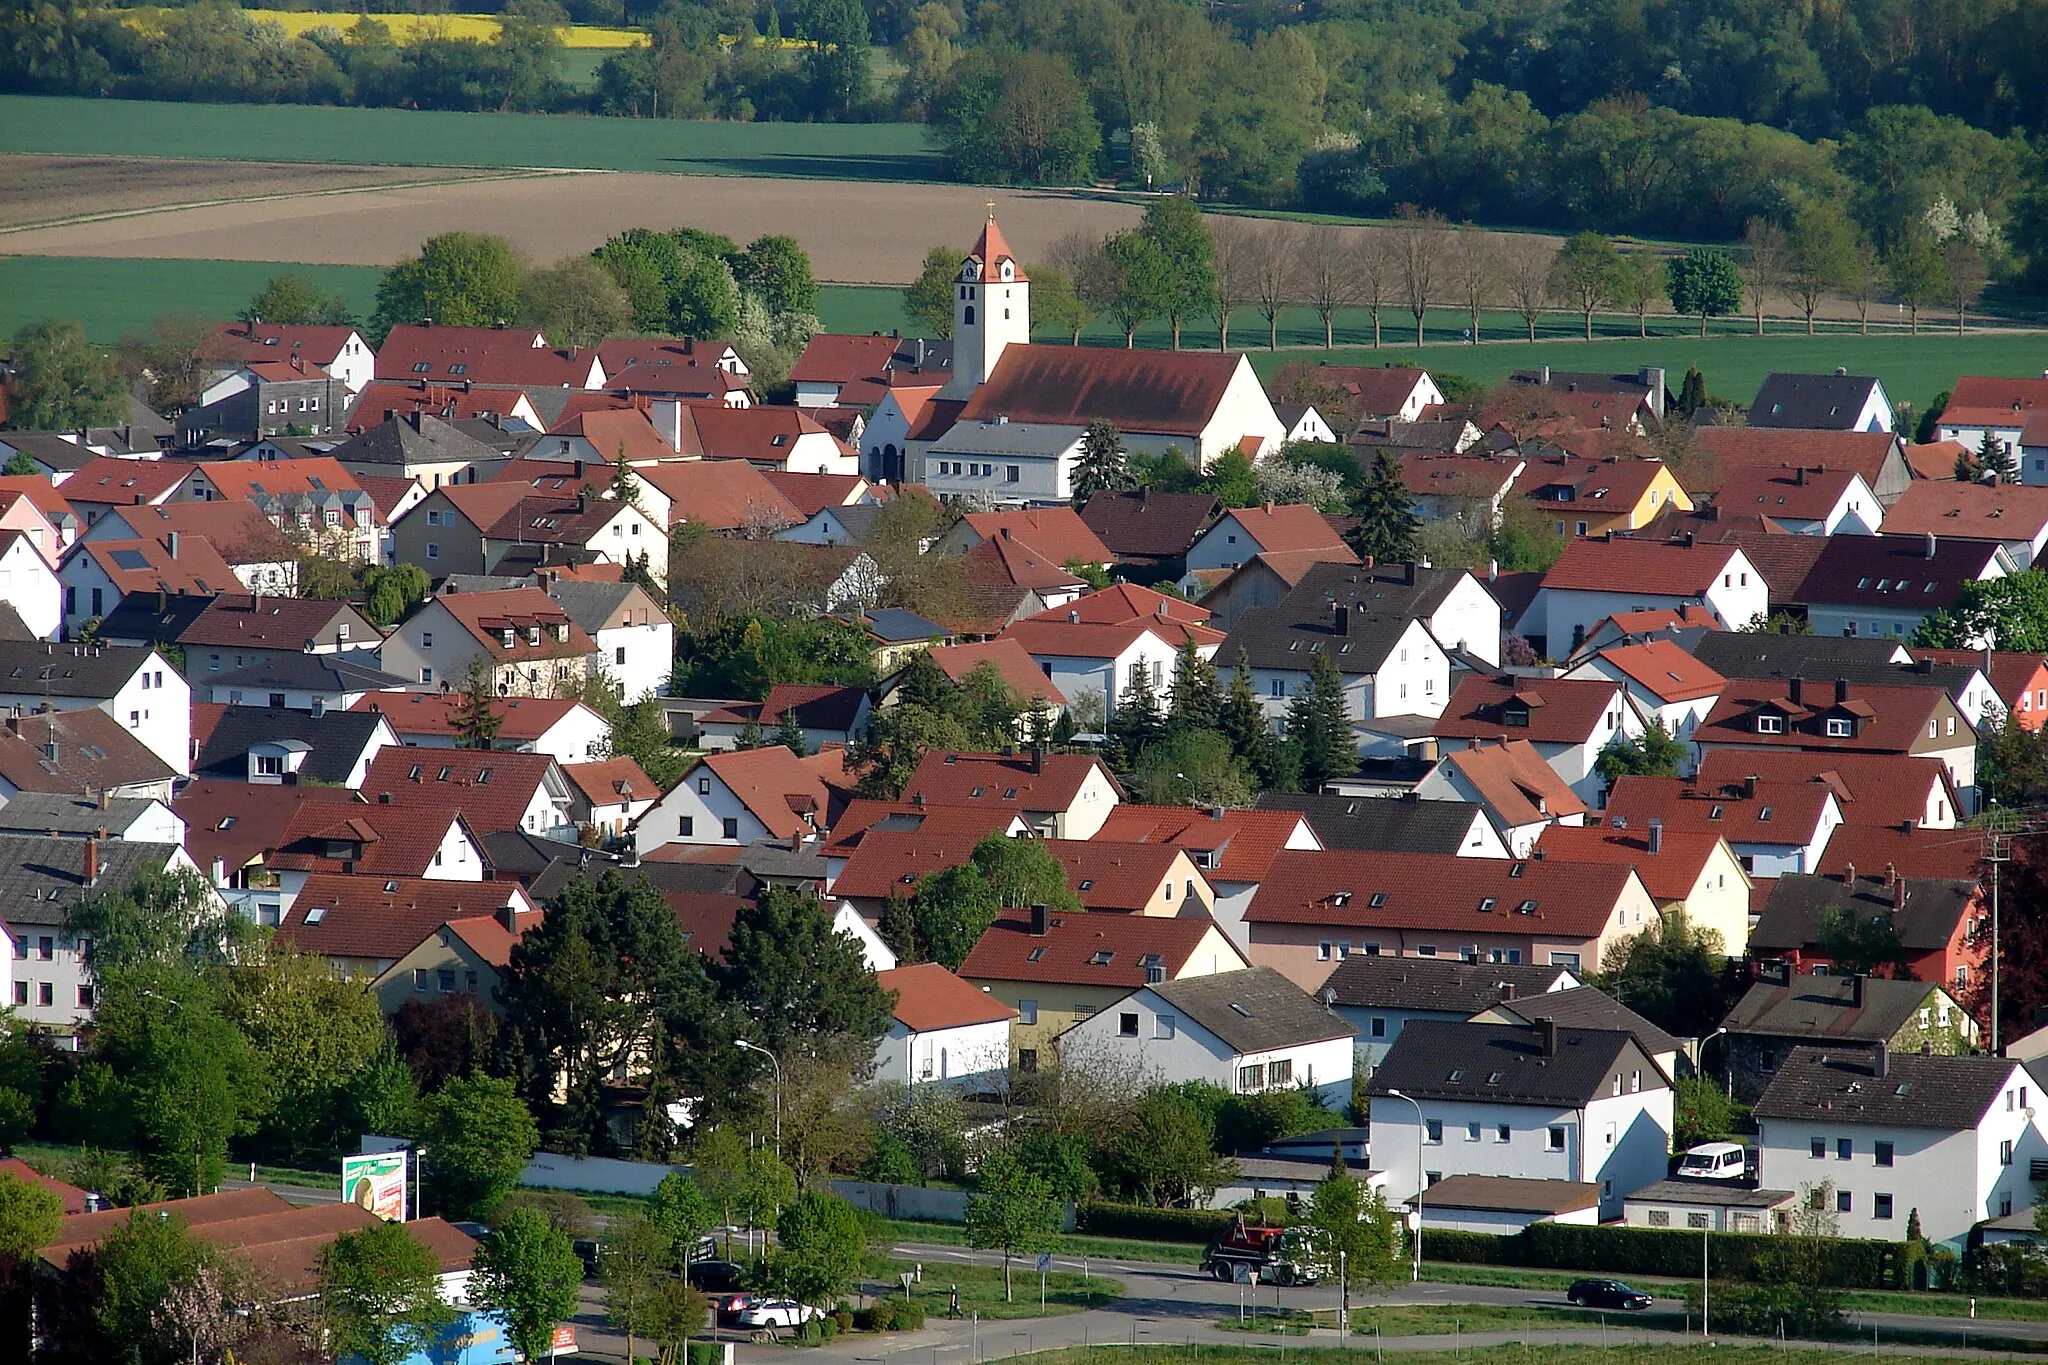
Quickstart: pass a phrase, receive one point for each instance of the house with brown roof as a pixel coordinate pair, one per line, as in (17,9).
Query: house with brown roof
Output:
(827,715)
(1471,490)
(83,752)
(1872,790)
(1715,452)
(1230,848)
(1819,718)
(1057,533)
(444,532)
(1995,404)
(340,350)
(135,686)
(1264,580)
(1773,827)
(2013,515)
(1596,578)
(107,481)
(1692,873)
(1150,530)
(1516,789)
(1057,969)
(942,1031)
(1662,682)
(1011,661)
(1103,659)
(563,728)
(2019,680)
(1944,854)
(740,798)
(1059,796)
(1137,878)
(1887,585)
(373,839)
(1378,392)
(1568,721)
(721,495)
(1243,532)
(1583,496)
(485,355)
(97,574)
(582,529)
(609,795)
(263,557)
(1006,580)
(364,924)
(527,642)
(1803,501)
(1315,909)
(841,369)
(676,367)
(491,789)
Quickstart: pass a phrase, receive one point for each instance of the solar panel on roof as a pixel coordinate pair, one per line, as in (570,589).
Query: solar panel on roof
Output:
(130,559)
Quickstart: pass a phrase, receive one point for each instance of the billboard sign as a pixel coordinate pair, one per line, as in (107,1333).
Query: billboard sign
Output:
(376,1181)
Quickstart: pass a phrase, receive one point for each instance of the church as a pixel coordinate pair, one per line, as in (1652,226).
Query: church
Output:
(1007,424)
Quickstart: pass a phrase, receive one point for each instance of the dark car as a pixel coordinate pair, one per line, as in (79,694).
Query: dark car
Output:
(1607,1294)
(715,1277)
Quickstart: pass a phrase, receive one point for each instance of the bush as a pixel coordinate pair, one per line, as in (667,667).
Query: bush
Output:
(843,1319)
(1151,1225)
(1469,1248)
(705,1353)
(1759,1310)
(909,1316)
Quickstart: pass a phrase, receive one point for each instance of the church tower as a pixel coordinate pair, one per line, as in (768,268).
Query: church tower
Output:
(991,310)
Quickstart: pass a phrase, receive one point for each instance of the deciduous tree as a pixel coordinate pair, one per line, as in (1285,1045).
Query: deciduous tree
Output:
(61,382)
(1419,247)
(1705,282)
(380,1295)
(479,1137)
(575,302)
(1586,275)
(528,1273)
(1012,1210)
(459,279)
(822,1240)
(928,300)
(295,300)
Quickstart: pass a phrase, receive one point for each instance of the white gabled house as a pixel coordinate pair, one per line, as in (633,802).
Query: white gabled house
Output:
(1247,1031)
(1950,1138)
(942,1031)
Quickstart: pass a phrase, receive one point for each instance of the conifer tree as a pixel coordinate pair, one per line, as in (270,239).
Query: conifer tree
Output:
(750,736)
(1319,725)
(1101,466)
(1692,394)
(1137,722)
(791,735)
(1243,721)
(1387,524)
(476,718)
(1193,702)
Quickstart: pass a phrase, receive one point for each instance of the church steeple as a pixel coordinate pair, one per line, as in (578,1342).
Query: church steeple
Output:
(991,310)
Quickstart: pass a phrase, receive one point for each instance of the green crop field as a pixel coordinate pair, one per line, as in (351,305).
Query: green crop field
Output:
(411,137)
(113,297)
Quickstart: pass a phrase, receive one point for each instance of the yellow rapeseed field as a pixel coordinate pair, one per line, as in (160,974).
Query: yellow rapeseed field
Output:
(405,27)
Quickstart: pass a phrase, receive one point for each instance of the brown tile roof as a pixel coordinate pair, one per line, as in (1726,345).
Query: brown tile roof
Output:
(1122,602)
(812,493)
(763,434)
(775,786)
(147,565)
(1005,562)
(1613,484)
(222,821)
(1239,844)
(94,752)
(1874,789)
(487,615)
(380,917)
(929,998)
(1456,476)
(1778,813)
(490,788)
(269,622)
(1290,527)
(1848,569)
(1087,949)
(1670,874)
(1440,891)
(706,918)
(520,719)
(1111,875)
(680,365)
(1936,459)
(1870,849)
(384,399)
(1667,568)
(1175,392)
(1665,670)
(611,782)
(1884,720)
(2011,674)
(1008,657)
(838,358)
(386,492)
(1516,782)
(1145,524)
(1979,511)
(1733,448)
(549,520)
(481,504)
(73,1198)
(238,531)
(480,355)
(863,817)
(87,1229)
(1084,640)
(1556,710)
(1993,400)
(889,862)
(244,342)
(1800,494)
(724,495)
(1000,782)
(1058,533)
(106,479)
(1375,390)
(39,491)
(378,840)
(1783,561)
(610,431)
(238,479)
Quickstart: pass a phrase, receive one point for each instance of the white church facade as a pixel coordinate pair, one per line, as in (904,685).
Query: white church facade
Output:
(1007,425)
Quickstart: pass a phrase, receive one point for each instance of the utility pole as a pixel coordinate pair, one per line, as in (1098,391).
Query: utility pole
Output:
(1997,852)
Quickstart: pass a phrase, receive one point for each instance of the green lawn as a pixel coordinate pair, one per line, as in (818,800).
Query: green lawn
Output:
(981,1289)
(114,296)
(412,137)
(1103,1248)
(1419,1320)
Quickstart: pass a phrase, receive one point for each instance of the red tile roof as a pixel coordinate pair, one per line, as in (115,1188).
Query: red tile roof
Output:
(1885,720)
(612,782)
(238,531)
(1000,782)
(373,916)
(520,719)
(492,789)
(892,862)
(1976,511)
(105,479)
(1612,484)
(775,786)
(679,365)
(1665,671)
(1375,390)
(930,998)
(481,355)
(1440,891)
(1516,781)
(244,342)
(379,840)
(482,503)
(1058,533)
(990,250)
(2011,674)
(488,938)
(1663,567)
(1557,710)
(1240,843)
(39,491)
(248,478)
(1936,459)
(1088,949)
(384,399)
(222,821)
(386,492)
(864,816)
(835,358)
(1121,602)
(488,615)
(724,495)
(1993,400)
(763,434)
(147,565)
(1780,812)
(1147,524)
(1006,561)
(1848,570)
(73,1198)
(1082,640)
(1671,874)
(1171,392)
(1870,849)
(1427,474)
(1798,494)
(1874,789)
(612,431)
(1728,449)
(1289,527)
(1008,657)
(812,493)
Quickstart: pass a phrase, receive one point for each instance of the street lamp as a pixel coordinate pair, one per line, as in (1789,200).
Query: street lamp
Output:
(1727,1063)
(745,1046)
(1421,1137)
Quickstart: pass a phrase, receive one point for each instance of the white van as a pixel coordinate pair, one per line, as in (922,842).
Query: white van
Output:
(1715,1161)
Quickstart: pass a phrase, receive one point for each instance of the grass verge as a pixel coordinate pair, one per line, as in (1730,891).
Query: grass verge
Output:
(981,1289)
(1072,1244)
(1412,1320)
(1517,1353)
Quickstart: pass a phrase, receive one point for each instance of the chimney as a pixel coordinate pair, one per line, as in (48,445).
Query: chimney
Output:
(171,543)
(105,797)
(1408,573)
(1546,1034)
(1749,787)
(220,872)
(1656,836)
(1849,874)
(1343,620)
(1073,616)
(92,861)
(1507,990)
(1037,759)
(1797,691)
(508,917)
(1930,544)
(1041,920)
(1881,1061)
(1891,875)
(1856,991)
(1841,690)
(1799,476)
(1899,894)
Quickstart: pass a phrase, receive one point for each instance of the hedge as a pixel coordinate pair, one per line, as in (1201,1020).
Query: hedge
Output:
(1759,1257)
(1468,1248)
(1152,1225)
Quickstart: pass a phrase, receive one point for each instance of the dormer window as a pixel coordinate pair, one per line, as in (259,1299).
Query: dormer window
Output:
(1486,904)
(1840,727)
(1515,715)
(533,635)
(509,636)
(1770,725)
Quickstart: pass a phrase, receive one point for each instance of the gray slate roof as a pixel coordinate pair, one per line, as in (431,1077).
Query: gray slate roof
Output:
(1253,1011)
(416,439)
(337,739)
(1379,824)
(1503,1064)
(1823,1008)
(309,673)
(1727,1194)
(894,625)
(149,616)
(590,605)
(1791,917)
(1811,402)
(60,813)
(34,668)
(1422,983)
(1586,1007)
(1741,654)
(41,879)
(1916,1091)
